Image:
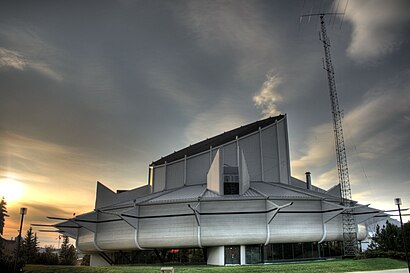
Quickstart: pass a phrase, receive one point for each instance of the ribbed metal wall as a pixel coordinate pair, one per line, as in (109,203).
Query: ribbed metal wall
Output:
(175,175)
(251,149)
(266,153)
(215,230)
(197,169)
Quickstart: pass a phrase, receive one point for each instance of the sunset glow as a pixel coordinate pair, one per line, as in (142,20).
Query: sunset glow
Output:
(11,189)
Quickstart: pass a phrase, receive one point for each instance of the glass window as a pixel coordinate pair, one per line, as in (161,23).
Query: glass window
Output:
(287,251)
(232,255)
(315,253)
(298,251)
(231,188)
(308,250)
(253,254)
(277,250)
(267,253)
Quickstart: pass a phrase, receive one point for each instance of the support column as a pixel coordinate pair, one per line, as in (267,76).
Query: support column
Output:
(97,260)
(216,255)
(243,255)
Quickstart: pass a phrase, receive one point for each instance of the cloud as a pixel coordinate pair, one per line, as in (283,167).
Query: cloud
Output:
(374,131)
(16,60)
(11,59)
(377,27)
(27,50)
(232,28)
(36,214)
(46,70)
(269,96)
(320,149)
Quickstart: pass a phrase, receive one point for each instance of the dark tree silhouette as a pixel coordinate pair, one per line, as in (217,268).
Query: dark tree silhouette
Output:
(3,214)
(30,246)
(68,254)
(389,238)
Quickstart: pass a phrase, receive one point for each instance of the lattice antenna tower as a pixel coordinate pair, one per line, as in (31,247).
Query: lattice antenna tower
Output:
(348,222)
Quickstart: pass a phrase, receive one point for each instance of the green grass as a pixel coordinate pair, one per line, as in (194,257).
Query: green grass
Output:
(305,267)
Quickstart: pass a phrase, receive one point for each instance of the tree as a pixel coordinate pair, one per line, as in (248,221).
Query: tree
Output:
(30,246)
(48,257)
(68,254)
(86,260)
(3,214)
(390,238)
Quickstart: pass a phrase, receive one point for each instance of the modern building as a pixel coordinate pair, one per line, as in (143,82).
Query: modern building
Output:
(231,195)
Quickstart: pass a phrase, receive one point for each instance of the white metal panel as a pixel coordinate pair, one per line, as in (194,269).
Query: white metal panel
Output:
(244,175)
(214,176)
(230,229)
(104,197)
(250,146)
(230,155)
(159,178)
(168,231)
(116,235)
(175,175)
(270,155)
(334,229)
(293,227)
(361,232)
(164,209)
(214,151)
(197,169)
(85,241)
(283,152)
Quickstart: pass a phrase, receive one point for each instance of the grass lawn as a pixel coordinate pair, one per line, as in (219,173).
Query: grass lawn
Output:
(305,267)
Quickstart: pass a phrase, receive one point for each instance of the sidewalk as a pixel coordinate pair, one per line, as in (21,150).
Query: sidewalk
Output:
(402,270)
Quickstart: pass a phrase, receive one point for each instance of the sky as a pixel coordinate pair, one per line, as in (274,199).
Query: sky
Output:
(96,90)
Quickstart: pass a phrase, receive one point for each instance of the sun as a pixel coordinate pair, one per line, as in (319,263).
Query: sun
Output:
(11,189)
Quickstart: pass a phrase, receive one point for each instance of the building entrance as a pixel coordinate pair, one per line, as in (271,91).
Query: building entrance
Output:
(232,255)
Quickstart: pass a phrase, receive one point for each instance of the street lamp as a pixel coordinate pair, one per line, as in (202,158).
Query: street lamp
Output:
(397,201)
(23,211)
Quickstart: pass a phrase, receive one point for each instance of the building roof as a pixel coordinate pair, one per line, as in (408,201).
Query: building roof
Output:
(218,140)
(258,190)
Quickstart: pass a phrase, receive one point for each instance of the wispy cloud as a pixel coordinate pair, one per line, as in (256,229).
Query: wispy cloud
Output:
(16,60)
(268,97)
(11,59)
(377,27)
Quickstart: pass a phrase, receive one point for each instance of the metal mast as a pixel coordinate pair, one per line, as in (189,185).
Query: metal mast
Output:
(349,224)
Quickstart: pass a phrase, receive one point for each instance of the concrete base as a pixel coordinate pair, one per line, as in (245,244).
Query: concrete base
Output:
(216,255)
(97,260)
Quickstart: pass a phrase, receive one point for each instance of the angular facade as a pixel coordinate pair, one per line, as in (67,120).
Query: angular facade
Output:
(231,195)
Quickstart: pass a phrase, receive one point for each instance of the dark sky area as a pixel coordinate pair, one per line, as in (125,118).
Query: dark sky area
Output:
(96,90)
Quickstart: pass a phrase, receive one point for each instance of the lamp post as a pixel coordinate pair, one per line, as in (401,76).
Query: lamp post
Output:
(397,201)
(23,211)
